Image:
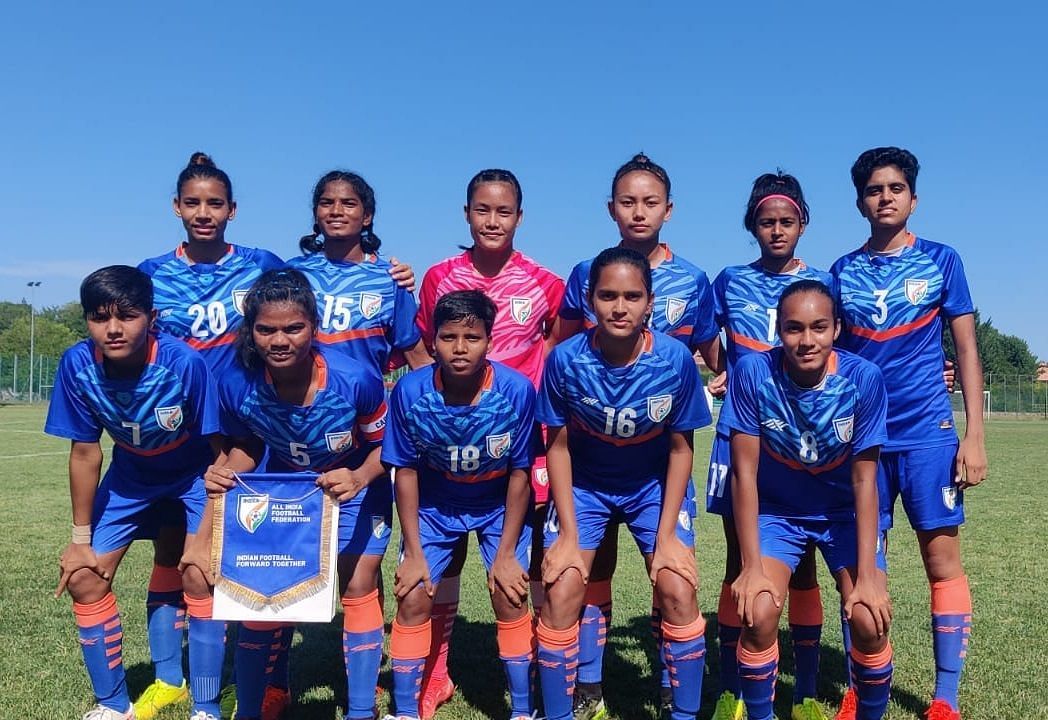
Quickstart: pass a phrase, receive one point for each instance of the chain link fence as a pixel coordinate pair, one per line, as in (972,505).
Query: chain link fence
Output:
(1010,395)
(15,378)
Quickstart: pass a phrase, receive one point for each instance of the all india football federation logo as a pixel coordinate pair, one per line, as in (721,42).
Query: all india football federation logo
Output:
(684,520)
(252,511)
(498,445)
(370,304)
(520,309)
(169,418)
(659,407)
(843,428)
(339,442)
(949,497)
(238,300)
(675,308)
(916,290)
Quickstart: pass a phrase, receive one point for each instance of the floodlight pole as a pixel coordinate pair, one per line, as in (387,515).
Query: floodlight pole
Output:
(32,332)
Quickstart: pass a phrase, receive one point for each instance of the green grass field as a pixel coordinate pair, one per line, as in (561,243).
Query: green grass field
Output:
(42,676)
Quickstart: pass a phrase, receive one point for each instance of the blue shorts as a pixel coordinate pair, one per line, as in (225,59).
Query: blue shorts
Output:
(787,539)
(125,510)
(441,528)
(924,479)
(639,509)
(718,484)
(365,523)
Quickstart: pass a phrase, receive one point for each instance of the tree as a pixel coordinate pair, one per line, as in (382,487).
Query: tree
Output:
(50,338)
(71,315)
(1001,355)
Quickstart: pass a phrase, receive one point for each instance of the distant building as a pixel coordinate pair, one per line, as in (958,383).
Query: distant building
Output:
(1042,371)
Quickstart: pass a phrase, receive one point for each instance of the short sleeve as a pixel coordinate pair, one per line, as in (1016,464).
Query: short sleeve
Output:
(404,334)
(957,298)
(573,306)
(522,447)
(690,410)
(398,446)
(552,408)
(68,415)
(743,412)
(553,289)
(706,327)
(203,395)
(229,399)
(370,402)
(720,302)
(871,410)
(427,301)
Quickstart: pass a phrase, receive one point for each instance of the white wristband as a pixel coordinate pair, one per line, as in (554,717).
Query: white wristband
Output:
(81,534)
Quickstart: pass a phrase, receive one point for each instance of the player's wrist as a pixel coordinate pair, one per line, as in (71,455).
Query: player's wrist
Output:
(81,534)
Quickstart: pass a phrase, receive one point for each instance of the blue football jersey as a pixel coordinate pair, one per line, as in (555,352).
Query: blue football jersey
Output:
(683,300)
(363,312)
(463,453)
(203,303)
(619,419)
(159,421)
(808,435)
(338,429)
(892,308)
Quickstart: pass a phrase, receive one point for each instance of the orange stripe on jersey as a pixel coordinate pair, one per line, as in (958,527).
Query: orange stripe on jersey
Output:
(200,344)
(482,477)
(793,464)
(180,253)
(685,330)
(318,362)
(374,425)
(748,342)
(882,335)
(155,451)
(911,240)
(329,338)
(619,442)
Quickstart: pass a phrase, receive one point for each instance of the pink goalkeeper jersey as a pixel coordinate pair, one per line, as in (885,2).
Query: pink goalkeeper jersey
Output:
(526,294)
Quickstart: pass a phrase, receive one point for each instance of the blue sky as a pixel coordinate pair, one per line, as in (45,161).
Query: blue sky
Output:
(103,104)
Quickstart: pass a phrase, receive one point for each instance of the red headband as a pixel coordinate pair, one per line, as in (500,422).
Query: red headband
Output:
(787,198)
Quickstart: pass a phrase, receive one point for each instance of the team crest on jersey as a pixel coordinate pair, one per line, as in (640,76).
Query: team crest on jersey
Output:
(252,511)
(659,407)
(949,497)
(542,477)
(370,304)
(916,290)
(843,428)
(520,309)
(675,309)
(169,418)
(497,445)
(339,442)
(238,300)
(379,528)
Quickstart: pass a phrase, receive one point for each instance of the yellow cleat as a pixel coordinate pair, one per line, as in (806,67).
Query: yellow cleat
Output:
(808,709)
(159,695)
(728,707)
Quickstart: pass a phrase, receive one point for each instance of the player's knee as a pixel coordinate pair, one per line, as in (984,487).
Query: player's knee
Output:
(864,630)
(564,597)
(86,586)
(765,616)
(676,597)
(194,583)
(504,608)
(415,607)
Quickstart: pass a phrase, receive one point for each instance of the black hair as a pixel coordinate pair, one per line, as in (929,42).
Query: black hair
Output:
(880,157)
(493,175)
(806,286)
(640,161)
(369,241)
(465,305)
(619,256)
(273,286)
(202,167)
(117,286)
(778,183)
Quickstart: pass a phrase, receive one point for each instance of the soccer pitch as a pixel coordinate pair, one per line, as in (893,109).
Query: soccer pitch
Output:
(42,674)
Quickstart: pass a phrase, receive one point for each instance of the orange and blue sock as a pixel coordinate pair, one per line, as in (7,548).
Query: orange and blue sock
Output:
(757,674)
(278,670)
(362,649)
(872,679)
(101,641)
(516,641)
(846,641)
(951,628)
(166,623)
(729,626)
(408,648)
(558,653)
(656,634)
(805,616)
(254,640)
(207,649)
(594,622)
(684,654)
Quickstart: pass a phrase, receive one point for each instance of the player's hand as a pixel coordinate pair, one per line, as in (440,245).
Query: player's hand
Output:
(969,467)
(413,569)
(197,554)
(873,593)
(562,556)
(78,556)
(218,480)
(343,484)
(673,555)
(509,578)
(949,374)
(751,583)
(718,385)
(402,274)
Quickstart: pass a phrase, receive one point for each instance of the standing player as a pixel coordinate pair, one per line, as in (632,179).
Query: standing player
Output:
(746,298)
(527,297)
(621,403)
(155,398)
(364,313)
(199,289)
(807,424)
(312,409)
(894,292)
(640,205)
(459,437)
